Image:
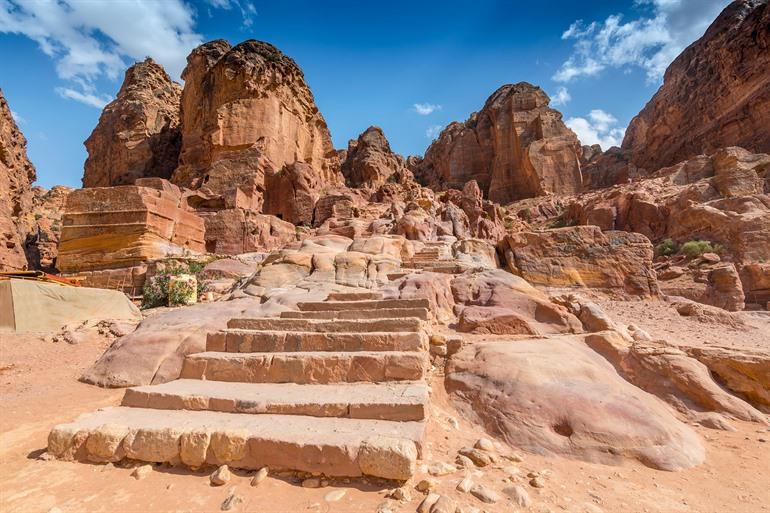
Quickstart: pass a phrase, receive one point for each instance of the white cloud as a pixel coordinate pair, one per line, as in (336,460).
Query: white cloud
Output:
(562,97)
(433,131)
(89,98)
(17,118)
(248,11)
(89,39)
(600,128)
(649,42)
(423,109)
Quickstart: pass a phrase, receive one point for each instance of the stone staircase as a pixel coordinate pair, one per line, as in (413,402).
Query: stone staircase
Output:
(336,388)
(433,257)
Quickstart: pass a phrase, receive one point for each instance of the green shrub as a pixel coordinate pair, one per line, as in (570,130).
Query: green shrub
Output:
(666,248)
(696,248)
(155,292)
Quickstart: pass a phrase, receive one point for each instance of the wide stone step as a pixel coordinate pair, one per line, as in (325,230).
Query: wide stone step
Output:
(335,326)
(330,446)
(318,306)
(250,341)
(383,401)
(354,296)
(384,313)
(307,367)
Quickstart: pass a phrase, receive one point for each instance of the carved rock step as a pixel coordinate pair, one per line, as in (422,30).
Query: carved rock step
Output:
(353,296)
(399,275)
(250,341)
(336,326)
(385,313)
(385,401)
(307,367)
(317,306)
(331,446)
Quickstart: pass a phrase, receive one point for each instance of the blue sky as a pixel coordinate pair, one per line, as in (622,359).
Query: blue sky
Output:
(409,67)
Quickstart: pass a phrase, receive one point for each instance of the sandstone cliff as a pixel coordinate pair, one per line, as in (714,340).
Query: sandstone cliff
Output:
(16,176)
(369,161)
(515,147)
(715,94)
(138,132)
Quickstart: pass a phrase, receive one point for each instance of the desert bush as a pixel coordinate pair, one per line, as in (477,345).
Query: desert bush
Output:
(696,248)
(155,292)
(666,248)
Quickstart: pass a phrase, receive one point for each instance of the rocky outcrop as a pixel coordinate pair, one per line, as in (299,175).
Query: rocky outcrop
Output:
(369,161)
(124,226)
(583,256)
(515,147)
(138,132)
(716,93)
(246,113)
(556,396)
(42,243)
(16,176)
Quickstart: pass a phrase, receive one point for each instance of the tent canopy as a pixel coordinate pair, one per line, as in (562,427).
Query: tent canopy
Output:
(28,305)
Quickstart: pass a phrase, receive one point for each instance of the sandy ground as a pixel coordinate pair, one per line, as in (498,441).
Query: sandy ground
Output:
(40,389)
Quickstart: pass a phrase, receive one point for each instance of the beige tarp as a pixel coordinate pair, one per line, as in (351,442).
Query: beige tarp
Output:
(28,305)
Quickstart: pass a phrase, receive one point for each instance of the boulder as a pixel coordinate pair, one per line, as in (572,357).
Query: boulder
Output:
(369,161)
(556,396)
(138,132)
(715,93)
(515,147)
(583,256)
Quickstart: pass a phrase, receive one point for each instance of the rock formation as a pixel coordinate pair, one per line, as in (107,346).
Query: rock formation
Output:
(42,243)
(369,161)
(716,93)
(138,132)
(16,176)
(515,147)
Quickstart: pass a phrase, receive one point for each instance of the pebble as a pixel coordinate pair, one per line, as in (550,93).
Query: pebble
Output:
(518,495)
(444,504)
(537,482)
(485,494)
(141,472)
(441,469)
(220,476)
(334,495)
(231,501)
(400,494)
(479,458)
(311,482)
(484,444)
(260,476)
(426,485)
(464,461)
(427,503)
(465,485)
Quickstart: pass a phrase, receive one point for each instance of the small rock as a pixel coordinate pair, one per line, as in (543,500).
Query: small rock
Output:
(427,503)
(231,501)
(514,457)
(444,504)
(426,485)
(260,476)
(384,507)
(464,461)
(441,469)
(518,495)
(400,494)
(312,482)
(465,485)
(479,458)
(334,495)
(453,422)
(484,444)
(453,345)
(220,476)
(485,494)
(537,482)
(141,472)
(711,258)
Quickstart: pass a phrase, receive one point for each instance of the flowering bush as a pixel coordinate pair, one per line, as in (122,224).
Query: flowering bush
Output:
(156,291)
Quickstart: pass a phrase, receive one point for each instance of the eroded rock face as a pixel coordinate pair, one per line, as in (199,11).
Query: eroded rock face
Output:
(583,256)
(247,112)
(369,161)
(716,93)
(515,147)
(557,396)
(16,176)
(42,243)
(138,133)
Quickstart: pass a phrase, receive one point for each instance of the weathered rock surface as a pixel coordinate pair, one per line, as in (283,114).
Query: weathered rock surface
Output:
(369,161)
(557,396)
(42,243)
(583,256)
(515,147)
(716,93)
(138,132)
(16,176)
(111,227)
